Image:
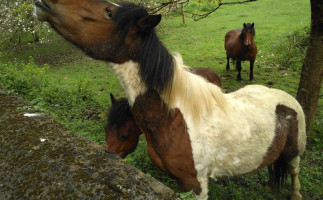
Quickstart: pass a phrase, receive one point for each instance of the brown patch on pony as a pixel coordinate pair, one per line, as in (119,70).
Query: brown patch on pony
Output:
(169,146)
(284,146)
(208,74)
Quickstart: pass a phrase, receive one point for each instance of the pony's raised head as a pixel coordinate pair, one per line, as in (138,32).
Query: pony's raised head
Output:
(122,133)
(113,32)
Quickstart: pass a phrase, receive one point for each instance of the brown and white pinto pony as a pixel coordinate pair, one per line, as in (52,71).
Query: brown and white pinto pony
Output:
(218,134)
(240,46)
(122,132)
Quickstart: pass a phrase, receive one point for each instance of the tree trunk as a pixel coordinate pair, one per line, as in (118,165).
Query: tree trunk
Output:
(312,70)
(183,13)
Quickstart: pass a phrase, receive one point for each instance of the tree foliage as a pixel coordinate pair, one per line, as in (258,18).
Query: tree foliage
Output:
(17,21)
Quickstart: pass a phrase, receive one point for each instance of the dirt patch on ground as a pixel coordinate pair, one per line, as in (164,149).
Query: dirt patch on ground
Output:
(55,52)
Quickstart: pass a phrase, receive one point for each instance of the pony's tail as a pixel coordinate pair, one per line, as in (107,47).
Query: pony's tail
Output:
(279,172)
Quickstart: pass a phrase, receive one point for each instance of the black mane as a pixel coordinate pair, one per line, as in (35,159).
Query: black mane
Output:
(156,63)
(119,113)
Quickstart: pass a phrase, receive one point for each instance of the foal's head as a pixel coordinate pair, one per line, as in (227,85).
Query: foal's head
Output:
(105,31)
(121,132)
(247,34)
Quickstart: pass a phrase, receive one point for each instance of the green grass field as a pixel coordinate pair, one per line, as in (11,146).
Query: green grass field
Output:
(75,89)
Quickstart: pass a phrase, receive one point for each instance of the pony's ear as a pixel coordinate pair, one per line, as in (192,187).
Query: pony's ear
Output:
(244,25)
(113,100)
(148,22)
(252,25)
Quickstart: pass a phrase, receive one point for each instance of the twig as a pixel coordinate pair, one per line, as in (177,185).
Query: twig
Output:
(197,16)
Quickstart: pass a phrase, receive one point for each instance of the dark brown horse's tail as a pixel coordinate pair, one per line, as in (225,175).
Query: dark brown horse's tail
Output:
(279,172)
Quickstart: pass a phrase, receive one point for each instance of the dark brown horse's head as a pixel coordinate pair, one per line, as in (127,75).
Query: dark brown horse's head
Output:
(121,132)
(247,34)
(105,31)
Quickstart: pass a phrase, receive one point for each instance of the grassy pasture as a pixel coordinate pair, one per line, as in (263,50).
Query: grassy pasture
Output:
(75,89)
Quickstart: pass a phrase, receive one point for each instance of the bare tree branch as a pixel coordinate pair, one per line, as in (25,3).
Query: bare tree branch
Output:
(165,4)
(197,16)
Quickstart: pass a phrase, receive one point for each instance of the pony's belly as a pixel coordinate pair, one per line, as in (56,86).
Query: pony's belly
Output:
(221,164)
(223,148)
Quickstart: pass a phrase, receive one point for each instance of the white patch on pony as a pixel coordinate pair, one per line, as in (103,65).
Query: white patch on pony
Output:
(130,80)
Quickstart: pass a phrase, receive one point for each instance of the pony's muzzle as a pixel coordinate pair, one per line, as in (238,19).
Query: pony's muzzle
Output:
(247,46)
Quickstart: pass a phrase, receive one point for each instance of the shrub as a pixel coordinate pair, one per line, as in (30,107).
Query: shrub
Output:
(25,79)
(291,50)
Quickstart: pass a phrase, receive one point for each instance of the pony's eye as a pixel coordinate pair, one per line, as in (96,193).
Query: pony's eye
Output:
(109,14)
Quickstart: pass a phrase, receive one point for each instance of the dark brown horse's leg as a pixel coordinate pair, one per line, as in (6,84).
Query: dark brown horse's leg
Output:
(238,66)
(251,70)
(228,65)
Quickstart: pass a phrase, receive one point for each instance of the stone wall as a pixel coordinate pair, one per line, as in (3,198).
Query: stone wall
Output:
(40,159)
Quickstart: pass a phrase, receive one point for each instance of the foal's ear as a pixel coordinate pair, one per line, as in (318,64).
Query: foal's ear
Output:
(113,100)
(148,22)
(244,25)
(252,25)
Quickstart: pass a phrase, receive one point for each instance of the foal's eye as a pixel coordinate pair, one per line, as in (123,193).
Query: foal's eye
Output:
(109,13)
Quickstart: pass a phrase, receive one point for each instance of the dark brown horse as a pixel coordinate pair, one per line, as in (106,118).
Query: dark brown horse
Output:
(122,133)
(195,130)
(240,46)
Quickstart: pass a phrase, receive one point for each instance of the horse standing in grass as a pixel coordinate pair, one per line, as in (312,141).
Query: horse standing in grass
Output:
(216,134)
(240,46)
(122,132)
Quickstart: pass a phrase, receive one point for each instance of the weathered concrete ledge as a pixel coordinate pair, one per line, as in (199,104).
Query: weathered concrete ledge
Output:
(40,159)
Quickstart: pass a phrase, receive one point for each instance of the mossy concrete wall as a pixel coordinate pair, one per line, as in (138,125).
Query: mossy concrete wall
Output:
(40,159)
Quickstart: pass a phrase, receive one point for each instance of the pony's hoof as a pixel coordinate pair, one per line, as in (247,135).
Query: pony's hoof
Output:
(296,196)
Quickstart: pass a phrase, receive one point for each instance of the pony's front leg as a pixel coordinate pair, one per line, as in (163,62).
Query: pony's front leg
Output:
(204,181)
(228,65)
(251,70)
(238,67)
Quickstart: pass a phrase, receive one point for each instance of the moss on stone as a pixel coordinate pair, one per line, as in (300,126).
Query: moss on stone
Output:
(40,159)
